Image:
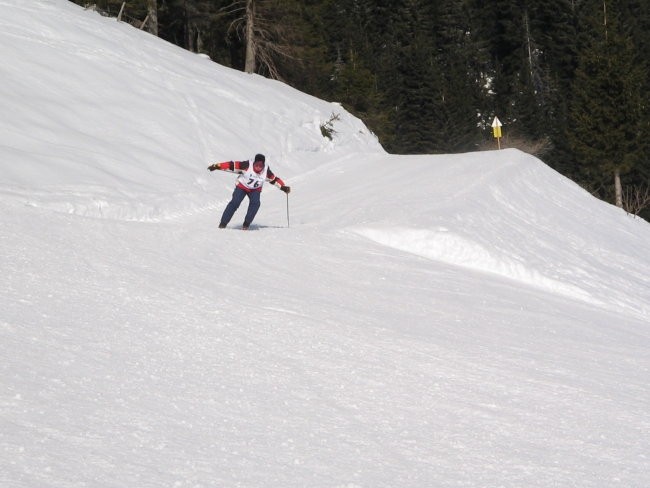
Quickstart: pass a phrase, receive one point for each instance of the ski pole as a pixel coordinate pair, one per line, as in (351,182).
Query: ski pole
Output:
(287,210)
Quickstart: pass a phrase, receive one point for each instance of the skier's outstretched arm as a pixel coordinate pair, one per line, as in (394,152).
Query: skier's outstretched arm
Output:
(232,166)
(274,180)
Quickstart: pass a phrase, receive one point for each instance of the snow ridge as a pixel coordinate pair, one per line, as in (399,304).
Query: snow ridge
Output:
(445,246)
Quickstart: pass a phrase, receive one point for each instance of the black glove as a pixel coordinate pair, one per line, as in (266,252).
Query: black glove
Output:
(286,189)
(213,167)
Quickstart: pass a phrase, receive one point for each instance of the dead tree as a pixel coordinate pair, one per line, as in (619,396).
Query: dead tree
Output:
(152,16)
(636,198)
(263,39)
(251,41)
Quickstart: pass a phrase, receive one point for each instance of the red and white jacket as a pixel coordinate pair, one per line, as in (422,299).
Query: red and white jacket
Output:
(248,179)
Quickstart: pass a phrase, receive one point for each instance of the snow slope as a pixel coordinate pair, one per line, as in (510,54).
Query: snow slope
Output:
(471,320)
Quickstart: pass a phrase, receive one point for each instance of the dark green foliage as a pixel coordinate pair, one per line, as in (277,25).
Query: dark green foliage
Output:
(461,60)
(608,120)
(414,90)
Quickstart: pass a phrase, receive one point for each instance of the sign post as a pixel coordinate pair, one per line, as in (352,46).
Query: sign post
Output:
(496,130)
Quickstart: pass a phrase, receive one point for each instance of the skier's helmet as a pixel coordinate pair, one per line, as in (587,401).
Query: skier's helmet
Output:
(258,164)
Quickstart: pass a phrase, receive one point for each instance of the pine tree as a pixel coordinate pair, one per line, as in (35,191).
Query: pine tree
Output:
(355,42)
(607,114)
(414,90)
(532,59)
(637,15)
(461,61)
(500,26)
(552,62)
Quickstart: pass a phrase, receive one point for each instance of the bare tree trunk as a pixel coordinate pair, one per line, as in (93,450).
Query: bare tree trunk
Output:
(605,18)
(529,46)
(250,37)
(189,42)
(190,38)
(152,12)
(119,16)
(261,37)
(199,40)
(618,188)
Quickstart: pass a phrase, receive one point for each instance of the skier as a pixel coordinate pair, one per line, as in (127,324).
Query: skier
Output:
(249,183)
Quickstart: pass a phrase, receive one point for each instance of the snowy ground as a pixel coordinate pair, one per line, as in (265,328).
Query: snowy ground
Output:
(470,320)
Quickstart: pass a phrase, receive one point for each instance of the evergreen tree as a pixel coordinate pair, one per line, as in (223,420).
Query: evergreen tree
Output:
(607,114)
(415,91)
(532,58)
(461,61)
(637,15)
(355,40)
(553,59)
(188,23)
(500,26)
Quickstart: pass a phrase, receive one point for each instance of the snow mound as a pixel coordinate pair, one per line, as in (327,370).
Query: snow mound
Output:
(451,248)
(505,213)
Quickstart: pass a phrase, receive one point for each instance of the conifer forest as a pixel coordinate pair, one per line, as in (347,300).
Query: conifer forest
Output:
(568,79)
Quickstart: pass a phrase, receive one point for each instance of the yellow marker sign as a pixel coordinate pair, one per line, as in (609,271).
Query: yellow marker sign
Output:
(496,130)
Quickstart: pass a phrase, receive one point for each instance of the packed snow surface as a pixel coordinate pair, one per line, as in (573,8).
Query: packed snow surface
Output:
(470,320)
